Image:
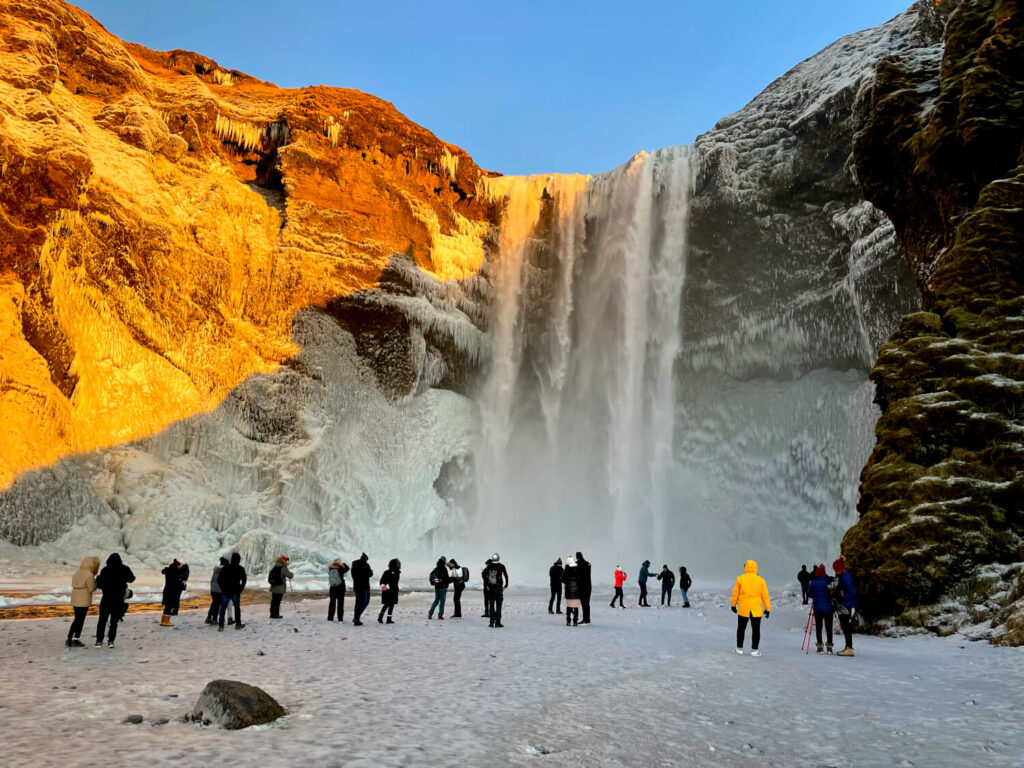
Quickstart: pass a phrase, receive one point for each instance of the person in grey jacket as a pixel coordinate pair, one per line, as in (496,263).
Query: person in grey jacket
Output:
(211,615)
(277,577)
(336,581)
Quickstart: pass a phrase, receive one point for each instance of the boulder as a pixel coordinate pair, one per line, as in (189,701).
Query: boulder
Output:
(233,705)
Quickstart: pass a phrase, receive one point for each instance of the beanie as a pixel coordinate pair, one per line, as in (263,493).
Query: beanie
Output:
(839,565)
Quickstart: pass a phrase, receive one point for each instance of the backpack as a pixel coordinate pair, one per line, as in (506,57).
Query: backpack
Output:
(275,576)
(465,574)
(493,577)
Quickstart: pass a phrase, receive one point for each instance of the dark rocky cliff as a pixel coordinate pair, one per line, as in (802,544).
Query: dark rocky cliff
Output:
(940,532)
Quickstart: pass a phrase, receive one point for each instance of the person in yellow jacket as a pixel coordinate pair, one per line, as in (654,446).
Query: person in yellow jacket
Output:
(750,601)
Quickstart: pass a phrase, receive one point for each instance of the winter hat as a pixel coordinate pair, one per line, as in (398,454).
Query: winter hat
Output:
(839,565)
(819,571)
(558,561)
(223,561)
(452,563)
(495,558)
(283,559)
(395,564)
(570,562)
(364,556)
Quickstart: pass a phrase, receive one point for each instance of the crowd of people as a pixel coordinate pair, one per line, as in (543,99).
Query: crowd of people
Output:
(830,596)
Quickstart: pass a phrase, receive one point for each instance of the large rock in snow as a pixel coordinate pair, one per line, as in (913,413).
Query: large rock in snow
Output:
(233,705)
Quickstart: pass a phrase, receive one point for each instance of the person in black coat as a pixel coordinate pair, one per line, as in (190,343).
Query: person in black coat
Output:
(174,585)
(805,579)
(668,580)
(496,579)
(389,590)
(232,580)
(440,580)
(684,585)
(555,577)
(113,581)
(487,603)
(571,580)
(586,586)
(361,573)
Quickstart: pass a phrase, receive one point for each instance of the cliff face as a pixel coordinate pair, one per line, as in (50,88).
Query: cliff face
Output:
(163,220)
(941,531)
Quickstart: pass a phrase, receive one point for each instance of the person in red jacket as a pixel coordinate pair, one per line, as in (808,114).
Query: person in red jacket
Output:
(620,579)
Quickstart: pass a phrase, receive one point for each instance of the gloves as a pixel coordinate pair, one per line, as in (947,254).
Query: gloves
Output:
(734,609)
(767,614)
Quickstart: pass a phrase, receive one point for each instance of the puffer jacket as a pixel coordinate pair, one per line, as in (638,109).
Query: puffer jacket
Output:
(336,575)
(571,579)
(83,582)
(214,584)
(620,578)
(280,589)
(846,590)
(750,593)
(820,594)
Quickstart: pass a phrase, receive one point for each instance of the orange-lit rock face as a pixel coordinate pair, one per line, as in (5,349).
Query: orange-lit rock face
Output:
(162,220)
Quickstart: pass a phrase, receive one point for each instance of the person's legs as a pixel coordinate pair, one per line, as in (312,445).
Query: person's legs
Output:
(341,603)
(684,598)
(741,630)
(670,596)
(827,620)
(332,603)
(433,605)
(664,590)
(275,604)
(585,603)
(499,598)
(643,594)
(76,626)
(215,601)
(846,623)
(440,608)
(487,603)
(101,623)
(236,600)
(112,631)
(551,601)
(558,600)
(803,588)
(224,600)
(819,619)
(457,613)
(755,632)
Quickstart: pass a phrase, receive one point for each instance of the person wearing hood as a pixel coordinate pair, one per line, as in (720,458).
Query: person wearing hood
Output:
(215,593)
(819,590)
(487,602)
(555,577)
(846,596)
(276,579)
(459,576)
(361,573)
(620,579)
(805,580)
(668,580)
(684,585)
(113,581)
(586,587)
(571,580)
(439,580)
(336,586)
(750,601)
(389,590)
(645,574)
(83,584)
(231,580)
(496,579)
(173,587)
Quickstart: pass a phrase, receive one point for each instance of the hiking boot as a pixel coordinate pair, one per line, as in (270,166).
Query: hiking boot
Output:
(821,648)
(239,625)
(499,625)
(686,605)
(828,648)
(755,653)
(380,619)
(390,621)
(845,652)
(76,643)
(67,643)
(357,623)
(220,627)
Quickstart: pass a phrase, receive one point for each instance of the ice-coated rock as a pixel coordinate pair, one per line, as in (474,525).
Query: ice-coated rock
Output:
(233,705)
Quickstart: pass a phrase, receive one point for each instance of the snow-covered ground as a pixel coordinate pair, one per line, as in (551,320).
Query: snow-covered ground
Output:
(639,687)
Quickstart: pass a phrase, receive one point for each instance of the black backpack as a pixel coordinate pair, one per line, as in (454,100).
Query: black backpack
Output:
(493,576)
(275,576)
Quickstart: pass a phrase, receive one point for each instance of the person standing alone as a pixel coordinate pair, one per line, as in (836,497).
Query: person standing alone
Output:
(496,581)
(645,574)
(805,580)
(83,584)
(620,579)
(113,581)
(555,577)
(276,578)
(361,573)
(685,582)
(750,601)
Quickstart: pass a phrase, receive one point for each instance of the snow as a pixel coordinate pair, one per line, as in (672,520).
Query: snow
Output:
(639,687)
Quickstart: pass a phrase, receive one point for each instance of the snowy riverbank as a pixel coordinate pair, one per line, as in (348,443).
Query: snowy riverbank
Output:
(639,687)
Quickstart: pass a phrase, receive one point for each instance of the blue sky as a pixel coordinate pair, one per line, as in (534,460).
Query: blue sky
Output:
(524,87)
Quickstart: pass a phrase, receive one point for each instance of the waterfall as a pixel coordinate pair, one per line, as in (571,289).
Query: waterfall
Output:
(577,411)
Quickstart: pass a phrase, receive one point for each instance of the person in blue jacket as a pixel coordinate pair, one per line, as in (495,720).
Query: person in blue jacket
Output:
(645,574)
(846,597)
(820,592)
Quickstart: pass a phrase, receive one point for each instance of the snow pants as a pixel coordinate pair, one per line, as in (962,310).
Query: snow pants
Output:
(459,588)
(495,597)
(846,622)
(618,596)
(755,631)
(819,620)
(362,600)
(555,603)
(643,594)
(236,599)
(111,611)
(275,604)
(666,591)
(337,601)
(79,622)
(440,593)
